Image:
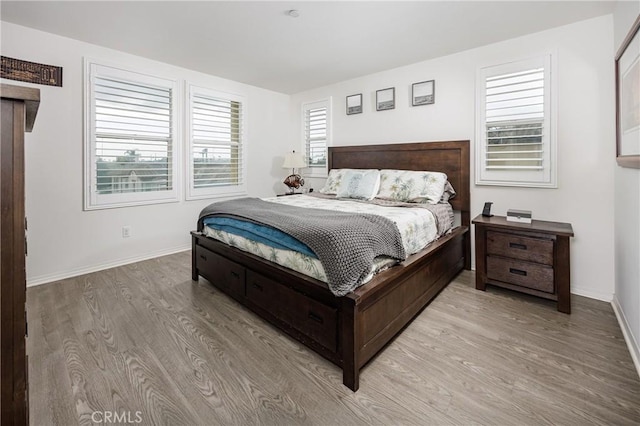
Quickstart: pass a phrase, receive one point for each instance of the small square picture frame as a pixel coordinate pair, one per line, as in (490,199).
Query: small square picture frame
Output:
(423,93)
(385,99)
(354,104)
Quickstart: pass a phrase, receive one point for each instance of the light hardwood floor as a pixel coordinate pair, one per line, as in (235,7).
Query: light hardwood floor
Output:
(145,338)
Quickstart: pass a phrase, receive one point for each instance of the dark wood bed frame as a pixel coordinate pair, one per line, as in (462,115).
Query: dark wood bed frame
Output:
(352,329)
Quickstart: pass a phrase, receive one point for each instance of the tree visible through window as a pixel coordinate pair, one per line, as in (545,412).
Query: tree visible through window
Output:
(131,123)
(216,139)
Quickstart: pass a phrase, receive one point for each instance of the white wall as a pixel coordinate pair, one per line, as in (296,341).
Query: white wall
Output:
(63,239)
(627,218)
(585,127)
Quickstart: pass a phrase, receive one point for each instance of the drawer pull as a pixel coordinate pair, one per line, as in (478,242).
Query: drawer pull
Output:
(518,246)
(315,317)
(235,275)
(257,286)
(518,272)
(203,257)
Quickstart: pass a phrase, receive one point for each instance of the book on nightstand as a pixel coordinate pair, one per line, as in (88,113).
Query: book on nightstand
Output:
(521,216)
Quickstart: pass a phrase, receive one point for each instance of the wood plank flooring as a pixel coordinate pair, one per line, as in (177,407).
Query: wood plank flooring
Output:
(144,340)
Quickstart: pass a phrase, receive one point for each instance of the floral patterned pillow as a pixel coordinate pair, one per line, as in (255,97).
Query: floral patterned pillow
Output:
(412,187)
(335,179)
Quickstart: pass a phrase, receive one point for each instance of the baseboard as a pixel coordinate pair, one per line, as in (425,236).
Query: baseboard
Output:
(49,278)
(632,344)
(605,297)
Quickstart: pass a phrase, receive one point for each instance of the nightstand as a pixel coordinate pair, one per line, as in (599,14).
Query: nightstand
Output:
(530,258)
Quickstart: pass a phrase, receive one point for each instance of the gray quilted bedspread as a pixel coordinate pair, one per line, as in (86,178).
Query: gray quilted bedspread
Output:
(346,243)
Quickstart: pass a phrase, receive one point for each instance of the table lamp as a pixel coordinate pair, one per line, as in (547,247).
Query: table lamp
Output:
(293,161)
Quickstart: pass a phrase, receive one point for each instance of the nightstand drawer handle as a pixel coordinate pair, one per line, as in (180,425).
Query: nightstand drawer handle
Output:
(315,317)
(518,246)
(518,272)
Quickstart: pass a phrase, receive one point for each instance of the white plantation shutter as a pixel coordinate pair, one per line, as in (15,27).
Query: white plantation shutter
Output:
(316,128)
(130,142)
(515,127)
(216,144)
(515,120)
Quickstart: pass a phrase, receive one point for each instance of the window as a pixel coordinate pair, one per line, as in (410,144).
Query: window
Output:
(316,129)
(216,144)
(515,129)
(129,146)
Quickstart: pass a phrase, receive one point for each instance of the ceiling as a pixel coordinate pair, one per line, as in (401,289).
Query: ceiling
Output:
(259,44)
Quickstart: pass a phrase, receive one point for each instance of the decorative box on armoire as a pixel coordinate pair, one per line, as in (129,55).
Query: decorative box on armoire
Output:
(19,108)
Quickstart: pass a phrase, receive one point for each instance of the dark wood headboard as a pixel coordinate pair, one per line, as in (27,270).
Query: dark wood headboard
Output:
(450,157)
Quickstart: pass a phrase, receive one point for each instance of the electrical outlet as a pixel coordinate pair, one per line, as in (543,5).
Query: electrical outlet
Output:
(126,231)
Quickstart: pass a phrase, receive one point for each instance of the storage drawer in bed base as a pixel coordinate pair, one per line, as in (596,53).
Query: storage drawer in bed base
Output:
(219,270)
(314,319)
(317,322)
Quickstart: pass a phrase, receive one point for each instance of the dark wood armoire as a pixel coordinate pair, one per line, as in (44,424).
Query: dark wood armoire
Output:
(19,108)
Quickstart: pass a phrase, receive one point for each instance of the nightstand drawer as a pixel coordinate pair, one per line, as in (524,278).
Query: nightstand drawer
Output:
(537,250)
(525,274)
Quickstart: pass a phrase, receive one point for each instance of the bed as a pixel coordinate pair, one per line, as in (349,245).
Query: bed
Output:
(350,330)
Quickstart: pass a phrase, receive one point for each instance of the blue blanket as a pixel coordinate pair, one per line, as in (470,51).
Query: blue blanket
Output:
(259,233)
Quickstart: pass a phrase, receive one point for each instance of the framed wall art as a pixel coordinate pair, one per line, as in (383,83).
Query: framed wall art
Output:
(628,99)
(385,99)
(423,93)
(354,104)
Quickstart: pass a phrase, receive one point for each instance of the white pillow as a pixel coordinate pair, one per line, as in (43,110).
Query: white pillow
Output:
(359,184)
(412,186)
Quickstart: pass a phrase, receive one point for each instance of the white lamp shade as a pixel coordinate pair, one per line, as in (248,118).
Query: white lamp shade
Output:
(294,161)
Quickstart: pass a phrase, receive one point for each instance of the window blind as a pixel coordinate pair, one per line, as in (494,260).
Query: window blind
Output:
(515,123)
(515,117)
(315,131)
(133,136)
(216,142)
